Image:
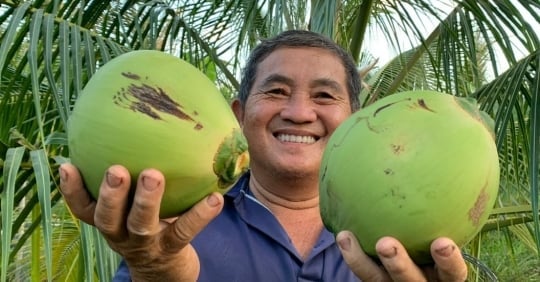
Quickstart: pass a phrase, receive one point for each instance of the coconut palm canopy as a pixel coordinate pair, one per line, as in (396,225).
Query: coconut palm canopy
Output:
(487,50)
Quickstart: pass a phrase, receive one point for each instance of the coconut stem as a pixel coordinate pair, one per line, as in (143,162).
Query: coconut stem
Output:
(231,159)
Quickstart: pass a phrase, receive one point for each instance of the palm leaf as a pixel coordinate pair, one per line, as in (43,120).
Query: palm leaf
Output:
(49,49)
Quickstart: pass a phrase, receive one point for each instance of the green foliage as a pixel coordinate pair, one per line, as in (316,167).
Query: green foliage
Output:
(488,50)
(508,256)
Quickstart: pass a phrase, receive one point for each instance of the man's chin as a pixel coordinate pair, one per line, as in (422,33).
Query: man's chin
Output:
(295,172)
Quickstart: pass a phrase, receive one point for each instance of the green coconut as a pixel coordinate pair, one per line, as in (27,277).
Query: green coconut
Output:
(148,109)
(415,165)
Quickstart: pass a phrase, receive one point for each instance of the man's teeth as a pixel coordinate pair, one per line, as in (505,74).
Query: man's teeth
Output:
(296,138)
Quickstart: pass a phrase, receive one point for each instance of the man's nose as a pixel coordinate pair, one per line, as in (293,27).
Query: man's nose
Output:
(299,109)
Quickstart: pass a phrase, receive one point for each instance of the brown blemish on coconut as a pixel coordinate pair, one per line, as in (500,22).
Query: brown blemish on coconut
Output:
(423,105)
(419,103)
(397,196)
(331,209)
(397,149)
(356,121)
(131,75)
(151,101)
(388,105)
(479,207)
(323,176)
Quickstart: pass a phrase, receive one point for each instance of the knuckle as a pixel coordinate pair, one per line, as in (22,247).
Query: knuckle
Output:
(140,228)
(144,203)
(184,229)
(103,225)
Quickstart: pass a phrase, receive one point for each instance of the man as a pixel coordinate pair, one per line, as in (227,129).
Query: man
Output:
(296,89)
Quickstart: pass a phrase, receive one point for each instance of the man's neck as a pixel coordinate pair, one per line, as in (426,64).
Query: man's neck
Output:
(284,196)
(298,214)
(285,188)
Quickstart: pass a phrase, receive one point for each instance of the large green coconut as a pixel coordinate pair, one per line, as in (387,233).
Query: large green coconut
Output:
(415,165)
(148,109)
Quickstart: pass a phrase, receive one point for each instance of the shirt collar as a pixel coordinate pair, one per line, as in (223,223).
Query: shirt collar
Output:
(249,209)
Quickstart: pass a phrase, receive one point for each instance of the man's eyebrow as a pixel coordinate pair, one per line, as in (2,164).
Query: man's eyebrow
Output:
(277,78)
(328,82)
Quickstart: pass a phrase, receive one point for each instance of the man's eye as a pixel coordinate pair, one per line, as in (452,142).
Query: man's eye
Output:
(276,91)
(324,95)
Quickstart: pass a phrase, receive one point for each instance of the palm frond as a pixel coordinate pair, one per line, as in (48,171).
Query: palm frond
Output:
(513,99)
(49,49)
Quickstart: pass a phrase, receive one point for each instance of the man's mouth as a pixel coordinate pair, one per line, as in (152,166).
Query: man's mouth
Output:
(296,138)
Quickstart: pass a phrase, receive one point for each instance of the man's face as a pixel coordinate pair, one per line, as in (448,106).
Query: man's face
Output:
(298,99)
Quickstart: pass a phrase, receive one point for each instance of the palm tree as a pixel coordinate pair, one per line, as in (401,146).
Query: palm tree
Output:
(487,50)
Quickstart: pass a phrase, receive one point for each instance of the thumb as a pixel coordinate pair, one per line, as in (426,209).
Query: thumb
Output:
(357,260)
(190,223)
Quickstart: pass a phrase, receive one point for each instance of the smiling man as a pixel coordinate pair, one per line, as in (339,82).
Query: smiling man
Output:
(296,89)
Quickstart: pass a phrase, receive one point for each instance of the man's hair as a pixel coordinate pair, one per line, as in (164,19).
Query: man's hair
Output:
(300,38)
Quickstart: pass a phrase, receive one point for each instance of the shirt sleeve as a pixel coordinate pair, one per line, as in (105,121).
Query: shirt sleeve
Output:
(122,274)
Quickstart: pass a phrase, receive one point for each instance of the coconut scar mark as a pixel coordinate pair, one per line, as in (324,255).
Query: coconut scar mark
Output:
(419,103)
(150,100)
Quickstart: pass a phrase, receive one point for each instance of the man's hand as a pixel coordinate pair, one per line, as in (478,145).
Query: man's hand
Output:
(396,263)
(154,249)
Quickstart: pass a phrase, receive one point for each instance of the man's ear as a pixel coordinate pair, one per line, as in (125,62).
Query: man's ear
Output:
(238,110)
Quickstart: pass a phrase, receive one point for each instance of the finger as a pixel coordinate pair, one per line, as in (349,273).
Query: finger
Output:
(192,222)
(143,218)
(358,261)
(396,261)
(112,203)
(79,201)
(450,263)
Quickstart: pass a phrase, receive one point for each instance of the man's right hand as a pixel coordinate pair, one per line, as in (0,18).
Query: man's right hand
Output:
(153,249)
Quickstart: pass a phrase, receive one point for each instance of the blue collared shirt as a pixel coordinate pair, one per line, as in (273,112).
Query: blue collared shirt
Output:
(245,242)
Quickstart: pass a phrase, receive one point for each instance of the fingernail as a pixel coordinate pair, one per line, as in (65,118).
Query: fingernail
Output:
(388,252)
(112,180)
(63,174)
(150,183)
(212,200)
(445,251)
(345,243)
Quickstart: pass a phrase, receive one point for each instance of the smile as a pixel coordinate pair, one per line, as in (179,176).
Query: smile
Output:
(296,138)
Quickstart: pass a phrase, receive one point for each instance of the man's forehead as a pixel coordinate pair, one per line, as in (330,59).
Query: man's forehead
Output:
(323,67)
